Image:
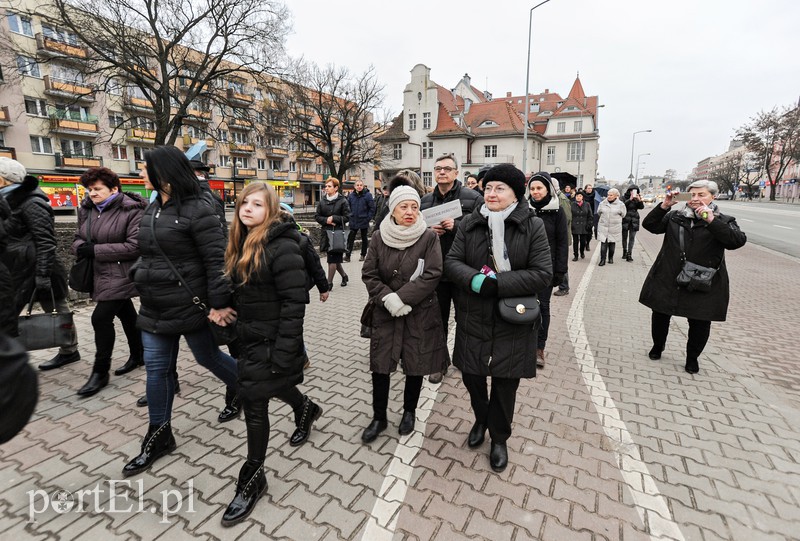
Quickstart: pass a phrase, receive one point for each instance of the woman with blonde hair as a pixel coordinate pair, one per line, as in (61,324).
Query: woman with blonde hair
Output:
(333,212)
(265,263)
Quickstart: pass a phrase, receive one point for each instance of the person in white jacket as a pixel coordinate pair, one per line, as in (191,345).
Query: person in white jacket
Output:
(609,226)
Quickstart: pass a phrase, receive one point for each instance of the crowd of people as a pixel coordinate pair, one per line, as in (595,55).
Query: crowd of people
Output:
(499,240)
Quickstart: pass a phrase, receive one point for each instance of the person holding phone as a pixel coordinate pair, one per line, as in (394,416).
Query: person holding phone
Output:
(707,233)
(630,222)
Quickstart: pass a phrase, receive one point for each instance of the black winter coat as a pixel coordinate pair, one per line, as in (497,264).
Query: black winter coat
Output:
(555,226)
(190,235)
(630,222)
(362,208)
(470,201)
(582,218)
(115,235)
(271,306)
(8,317)
(705,245)
(485,344)
(339,209)
(31,249)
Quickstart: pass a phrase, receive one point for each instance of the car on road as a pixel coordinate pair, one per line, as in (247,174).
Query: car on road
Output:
(649,198)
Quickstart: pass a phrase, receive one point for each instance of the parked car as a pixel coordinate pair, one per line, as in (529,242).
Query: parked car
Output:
(723,196)
(649,198)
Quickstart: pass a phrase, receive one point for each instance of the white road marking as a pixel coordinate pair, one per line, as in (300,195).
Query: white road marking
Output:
(650,504)
(782,226)
(744,220)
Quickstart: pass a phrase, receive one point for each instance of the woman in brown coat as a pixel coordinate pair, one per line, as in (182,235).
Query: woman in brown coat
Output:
(401,271)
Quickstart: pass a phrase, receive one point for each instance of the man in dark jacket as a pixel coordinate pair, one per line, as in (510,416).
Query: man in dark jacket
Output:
(447,190)
(31,252)
(362,209)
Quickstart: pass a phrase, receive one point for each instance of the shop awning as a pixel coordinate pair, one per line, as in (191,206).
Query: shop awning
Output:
(284,183)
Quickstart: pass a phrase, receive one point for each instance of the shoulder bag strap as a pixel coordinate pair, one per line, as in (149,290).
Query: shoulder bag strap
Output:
(680,240)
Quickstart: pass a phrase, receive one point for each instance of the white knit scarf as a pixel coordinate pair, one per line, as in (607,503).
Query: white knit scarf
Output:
(332,197)
(401,237)
(497,230)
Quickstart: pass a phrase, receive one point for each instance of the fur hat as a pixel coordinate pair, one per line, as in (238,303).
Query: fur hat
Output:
(12,170)
(508,174)
(400,194)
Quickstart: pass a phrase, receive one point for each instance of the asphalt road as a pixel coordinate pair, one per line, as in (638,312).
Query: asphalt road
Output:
(772,225)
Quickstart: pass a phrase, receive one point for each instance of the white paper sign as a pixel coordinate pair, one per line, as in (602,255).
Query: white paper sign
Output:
(447,211)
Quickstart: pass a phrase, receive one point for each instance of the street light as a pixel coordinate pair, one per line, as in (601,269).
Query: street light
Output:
(527,99)
(636,179)
(633,144)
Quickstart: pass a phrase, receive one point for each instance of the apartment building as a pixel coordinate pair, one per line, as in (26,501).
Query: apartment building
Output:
(478,129)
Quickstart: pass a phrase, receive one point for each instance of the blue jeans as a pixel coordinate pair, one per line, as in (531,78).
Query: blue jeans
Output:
(160,359)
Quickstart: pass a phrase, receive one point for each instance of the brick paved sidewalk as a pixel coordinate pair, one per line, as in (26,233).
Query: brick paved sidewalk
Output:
(607,444)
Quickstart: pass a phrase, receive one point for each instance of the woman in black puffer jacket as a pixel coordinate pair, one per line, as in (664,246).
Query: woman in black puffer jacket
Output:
(630,222)
(180,228)
(266,264)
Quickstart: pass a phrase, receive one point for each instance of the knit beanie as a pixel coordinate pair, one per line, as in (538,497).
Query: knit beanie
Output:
(12,170)
(508,174)
(400,194)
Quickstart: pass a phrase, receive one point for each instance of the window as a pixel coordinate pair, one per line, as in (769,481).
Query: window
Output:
(2,140)
(262,163)
(115,119)
(114,88)
(490,151)
(20,24)
(274,141)
(412,121)
(41,145)
(59,34)
(144,123)
(292,166)
(319,169)
(241,163)
(561,127)
(35,106)
(28,66)
(275,165)
(578,126)
(551,155)
(223,136)
(138,153)
(240,137)
(292,146)
(67,75)
(224,161)
(71,147)
(397,151)
(427,179)
(70,112)
(426,121)
(576,151)
(119,152)
(427,150)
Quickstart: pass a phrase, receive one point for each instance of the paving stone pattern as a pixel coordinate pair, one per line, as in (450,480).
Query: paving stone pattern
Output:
(708,457)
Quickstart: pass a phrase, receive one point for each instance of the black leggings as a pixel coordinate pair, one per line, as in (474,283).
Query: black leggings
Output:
(105,335)
(380,394)
(256,418)
(699,331)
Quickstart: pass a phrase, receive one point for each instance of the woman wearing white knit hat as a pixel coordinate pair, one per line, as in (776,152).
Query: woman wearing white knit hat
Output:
(401,271)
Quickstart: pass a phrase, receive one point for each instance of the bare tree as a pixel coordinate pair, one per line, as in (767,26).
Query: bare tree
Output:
(773,137)
(730,172)
(329,113)
(177,58)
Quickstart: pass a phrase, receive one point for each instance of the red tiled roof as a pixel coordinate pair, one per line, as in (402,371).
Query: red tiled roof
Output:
(395,131)
(501,113)
(479,93)
(445,125)
(576,92)
(450,103)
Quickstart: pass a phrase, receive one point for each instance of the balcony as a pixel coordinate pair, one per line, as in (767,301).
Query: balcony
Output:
(305,156)
(240,98)
(240,124)
(8,152)
(353,178)
(53,48)
(281,175)
(5,117)
(245,172)
(242,148)
(140,134)
(198,115)
(144,70)
(188,141)
(314,177)
(274,128)
(78,90)
(276,151)
(72,123)
(66,161)
(137,104)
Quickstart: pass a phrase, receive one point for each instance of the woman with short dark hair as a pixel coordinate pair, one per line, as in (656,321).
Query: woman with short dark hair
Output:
(108,231)
(333,212)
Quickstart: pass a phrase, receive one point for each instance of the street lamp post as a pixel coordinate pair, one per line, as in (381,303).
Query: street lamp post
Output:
(527,99)
(633,145)
(636,178)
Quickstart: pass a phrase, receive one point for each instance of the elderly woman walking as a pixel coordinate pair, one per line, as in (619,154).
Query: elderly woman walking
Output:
(500,251)
(698,233)
(401,272)
(611,211)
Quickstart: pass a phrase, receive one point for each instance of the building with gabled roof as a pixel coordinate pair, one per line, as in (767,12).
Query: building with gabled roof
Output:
(479,129)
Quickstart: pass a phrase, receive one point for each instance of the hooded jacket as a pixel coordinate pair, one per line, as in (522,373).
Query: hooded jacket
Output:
(631,220)
(555,224)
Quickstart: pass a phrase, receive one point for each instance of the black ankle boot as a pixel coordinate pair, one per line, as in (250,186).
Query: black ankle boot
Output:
(158,442)
(251,485)
(476,435)
(96,382)
(372,431)
(309,413)
(692,366)
(133,362)
(407,423)
(232,409)
(498,456)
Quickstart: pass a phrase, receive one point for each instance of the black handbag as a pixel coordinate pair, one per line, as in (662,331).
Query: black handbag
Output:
(693,277)
(47,330)
(81,274)
(222,335)
(519,310)
(337,243)
(366,319)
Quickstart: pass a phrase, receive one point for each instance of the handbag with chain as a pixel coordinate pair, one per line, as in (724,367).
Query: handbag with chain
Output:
(81,274)
(693,277)
(47,330)
(522,310)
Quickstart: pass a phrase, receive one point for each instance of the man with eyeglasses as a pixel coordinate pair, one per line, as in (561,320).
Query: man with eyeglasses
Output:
(448,189)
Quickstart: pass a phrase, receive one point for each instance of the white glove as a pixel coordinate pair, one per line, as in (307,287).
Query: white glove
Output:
(394,304)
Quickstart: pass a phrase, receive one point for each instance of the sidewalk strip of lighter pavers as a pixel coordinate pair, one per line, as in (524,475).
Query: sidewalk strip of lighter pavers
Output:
(650,504)
(383,518)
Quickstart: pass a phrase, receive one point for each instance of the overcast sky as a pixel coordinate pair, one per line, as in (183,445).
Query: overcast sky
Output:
(690,70)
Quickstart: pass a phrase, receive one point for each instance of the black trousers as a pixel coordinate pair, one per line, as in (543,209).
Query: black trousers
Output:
(544,296)
(256,418)
(105,334)
(444,293)
(351,239)
(699,332)
(380,394)
(495,411)
(628,238)
(579,243)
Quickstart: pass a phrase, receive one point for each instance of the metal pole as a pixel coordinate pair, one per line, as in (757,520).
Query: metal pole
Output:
(636,178)
(527,86)
(633,145)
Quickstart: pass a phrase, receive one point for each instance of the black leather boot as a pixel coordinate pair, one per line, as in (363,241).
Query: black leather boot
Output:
(611,247)
(498,456)
(407,423)
(96,382)
(251,485)
(371,432)
(476,435)
(309,413)
(158,442)
(133,362)
(233,407)
(60,360)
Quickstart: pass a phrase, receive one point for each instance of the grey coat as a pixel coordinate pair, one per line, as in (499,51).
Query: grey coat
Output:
(415,341)
(609,226)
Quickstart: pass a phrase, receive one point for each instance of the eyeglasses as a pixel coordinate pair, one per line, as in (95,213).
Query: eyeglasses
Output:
(444,168)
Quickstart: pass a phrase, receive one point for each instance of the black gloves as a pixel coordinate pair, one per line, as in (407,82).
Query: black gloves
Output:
(86,250)
(43,283)
(558,277)
(489,288)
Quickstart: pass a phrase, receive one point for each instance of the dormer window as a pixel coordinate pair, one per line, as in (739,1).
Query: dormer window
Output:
(488,124)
